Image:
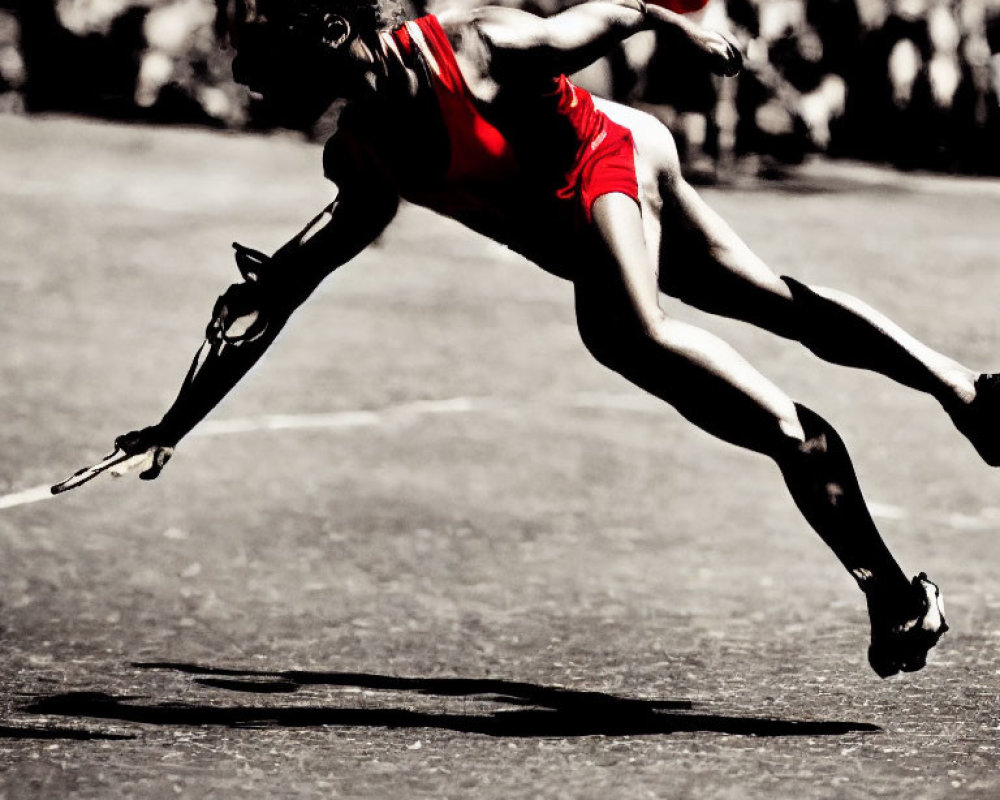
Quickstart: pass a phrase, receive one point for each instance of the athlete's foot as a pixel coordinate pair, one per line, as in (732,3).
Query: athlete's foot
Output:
(979,421)
(905,628)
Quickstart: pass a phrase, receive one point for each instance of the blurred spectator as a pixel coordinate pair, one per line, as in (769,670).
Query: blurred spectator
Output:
(155,60)
(911,82)
(183,72)
(12,71)
(90,67)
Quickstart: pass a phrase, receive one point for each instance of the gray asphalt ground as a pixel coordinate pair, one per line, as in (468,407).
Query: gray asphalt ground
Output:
(429,549)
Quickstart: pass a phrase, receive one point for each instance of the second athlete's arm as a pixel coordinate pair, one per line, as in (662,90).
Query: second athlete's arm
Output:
(522,43)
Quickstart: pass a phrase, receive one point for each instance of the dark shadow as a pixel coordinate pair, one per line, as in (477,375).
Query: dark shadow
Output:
(554,712)
(8,732)
(503,691)
(792,182)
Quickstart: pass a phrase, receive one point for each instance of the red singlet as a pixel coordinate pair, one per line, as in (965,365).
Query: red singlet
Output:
(556,142)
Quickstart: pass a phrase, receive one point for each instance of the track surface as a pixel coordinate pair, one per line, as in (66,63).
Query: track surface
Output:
(547,586)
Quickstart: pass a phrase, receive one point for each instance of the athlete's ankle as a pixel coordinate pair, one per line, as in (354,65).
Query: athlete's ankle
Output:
(885,591)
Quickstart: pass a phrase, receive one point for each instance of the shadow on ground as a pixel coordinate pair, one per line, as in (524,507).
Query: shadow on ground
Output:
(75,734)
(544,711)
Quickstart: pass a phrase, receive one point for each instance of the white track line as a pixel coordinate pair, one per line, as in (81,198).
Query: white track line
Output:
(26,496)
(399,414)
(886,511)
(405,413)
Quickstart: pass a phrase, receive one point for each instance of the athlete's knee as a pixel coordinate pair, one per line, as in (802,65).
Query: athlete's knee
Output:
(602,342)
(812,444)
(629,342)
(818,323)
(618,340)
(667,335)
(804,299)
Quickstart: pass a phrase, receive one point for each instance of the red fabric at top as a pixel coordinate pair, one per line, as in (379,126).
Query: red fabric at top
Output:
(479,150)
(558,139)
(680,6)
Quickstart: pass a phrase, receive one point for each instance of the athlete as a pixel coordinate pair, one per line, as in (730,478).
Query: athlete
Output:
(471,115)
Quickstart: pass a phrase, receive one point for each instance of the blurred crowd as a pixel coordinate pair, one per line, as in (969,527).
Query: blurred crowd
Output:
(911,82)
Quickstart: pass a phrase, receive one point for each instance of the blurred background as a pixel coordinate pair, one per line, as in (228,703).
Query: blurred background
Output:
(431,487)
(911,83)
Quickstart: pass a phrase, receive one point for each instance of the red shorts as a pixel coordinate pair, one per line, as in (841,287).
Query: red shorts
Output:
(607,165)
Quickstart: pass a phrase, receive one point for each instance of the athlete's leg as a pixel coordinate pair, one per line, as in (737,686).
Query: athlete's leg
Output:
(707,265)
(714,387)
(722,275)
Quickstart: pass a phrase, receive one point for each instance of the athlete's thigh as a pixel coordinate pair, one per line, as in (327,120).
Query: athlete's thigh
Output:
(698,256)
(655,153)
(704,379)
(705,263)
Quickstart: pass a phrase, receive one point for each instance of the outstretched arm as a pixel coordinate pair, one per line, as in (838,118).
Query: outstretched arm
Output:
(249,315)
(521,43)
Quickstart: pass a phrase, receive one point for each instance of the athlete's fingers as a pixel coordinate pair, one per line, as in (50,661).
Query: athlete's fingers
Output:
(149,463)
(141,461)
(735,55)
(728,56)
(160,458)
(87,474)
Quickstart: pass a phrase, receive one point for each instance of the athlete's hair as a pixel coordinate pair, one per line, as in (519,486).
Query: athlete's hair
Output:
(302,15)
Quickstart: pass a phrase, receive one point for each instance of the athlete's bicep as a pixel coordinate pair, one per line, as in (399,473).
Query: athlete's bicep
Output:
(565,42)
(366,202)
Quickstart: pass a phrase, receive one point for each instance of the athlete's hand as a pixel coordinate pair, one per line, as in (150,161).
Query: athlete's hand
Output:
(725,55)
(146,450)
(718,52)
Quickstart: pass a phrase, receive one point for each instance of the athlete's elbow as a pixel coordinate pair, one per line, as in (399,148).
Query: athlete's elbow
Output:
(370,215)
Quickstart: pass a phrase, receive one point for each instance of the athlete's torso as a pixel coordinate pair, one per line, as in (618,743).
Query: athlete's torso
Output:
(506,167)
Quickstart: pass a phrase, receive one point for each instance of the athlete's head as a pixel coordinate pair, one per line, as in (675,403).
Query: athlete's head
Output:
(300,51)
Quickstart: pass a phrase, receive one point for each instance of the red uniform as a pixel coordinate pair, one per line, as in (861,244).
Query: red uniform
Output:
(556,143)
(681,6)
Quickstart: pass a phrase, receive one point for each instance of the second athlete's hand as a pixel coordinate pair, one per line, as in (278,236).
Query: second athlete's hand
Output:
(720,52)
(724,51)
